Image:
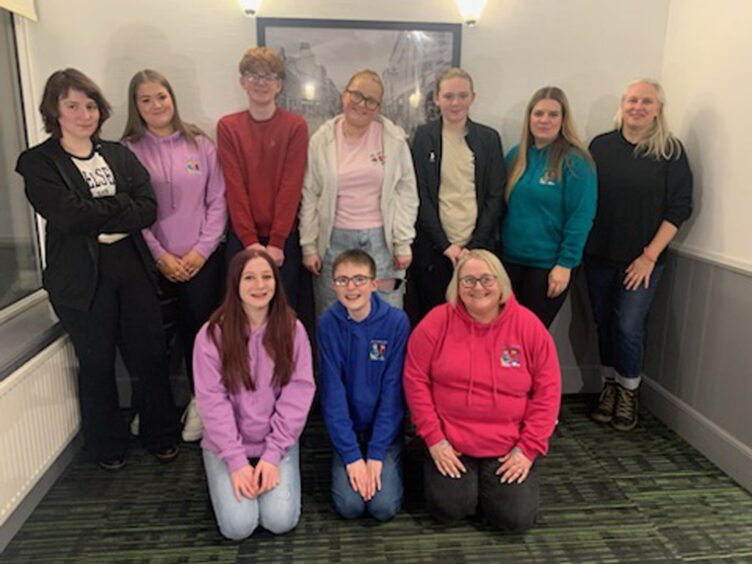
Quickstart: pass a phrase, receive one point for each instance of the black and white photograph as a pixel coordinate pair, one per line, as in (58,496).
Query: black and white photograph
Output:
(320,56)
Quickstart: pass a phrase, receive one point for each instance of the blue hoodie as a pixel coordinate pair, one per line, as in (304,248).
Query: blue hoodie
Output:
(361,378)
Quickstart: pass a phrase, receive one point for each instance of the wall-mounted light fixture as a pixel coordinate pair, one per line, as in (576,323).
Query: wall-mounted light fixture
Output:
(470,10)
(249,7)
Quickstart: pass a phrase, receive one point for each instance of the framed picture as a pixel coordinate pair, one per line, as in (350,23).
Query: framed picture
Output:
(321,55)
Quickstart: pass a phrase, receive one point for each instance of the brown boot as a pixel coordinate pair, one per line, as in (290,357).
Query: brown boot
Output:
(625,414)
(604,411)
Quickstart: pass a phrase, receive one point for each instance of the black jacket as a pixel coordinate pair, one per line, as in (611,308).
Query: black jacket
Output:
(490,176)
(59,193)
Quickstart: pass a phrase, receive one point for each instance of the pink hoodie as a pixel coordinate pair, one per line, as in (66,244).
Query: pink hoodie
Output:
(485,388)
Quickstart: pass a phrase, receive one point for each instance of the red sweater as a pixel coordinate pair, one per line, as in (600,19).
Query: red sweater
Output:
(263,163)
(484,388)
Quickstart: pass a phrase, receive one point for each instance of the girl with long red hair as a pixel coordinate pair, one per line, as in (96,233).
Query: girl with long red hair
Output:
(254,388)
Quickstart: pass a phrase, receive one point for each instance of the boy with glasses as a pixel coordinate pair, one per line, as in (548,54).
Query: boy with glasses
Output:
(362,342)
(263,153)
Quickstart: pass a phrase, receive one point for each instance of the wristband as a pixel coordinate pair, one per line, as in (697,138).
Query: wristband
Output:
(647,255)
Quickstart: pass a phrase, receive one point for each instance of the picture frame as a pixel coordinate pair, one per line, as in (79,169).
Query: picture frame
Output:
(321,55)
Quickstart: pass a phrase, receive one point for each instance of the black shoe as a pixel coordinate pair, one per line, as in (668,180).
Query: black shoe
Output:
(112,464)
(167,454)
(625,413)
(604,411)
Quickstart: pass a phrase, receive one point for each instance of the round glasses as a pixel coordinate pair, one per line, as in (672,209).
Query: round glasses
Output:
(260,78)
(487,281)
(358,280)
(360,98)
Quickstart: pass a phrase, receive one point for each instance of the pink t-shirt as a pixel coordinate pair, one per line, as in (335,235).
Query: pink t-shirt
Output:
(360,175)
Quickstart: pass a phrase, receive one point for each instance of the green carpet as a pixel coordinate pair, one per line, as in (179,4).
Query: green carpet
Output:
(644,496)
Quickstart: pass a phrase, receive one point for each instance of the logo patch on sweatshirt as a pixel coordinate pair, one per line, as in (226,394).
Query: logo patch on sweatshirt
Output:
(510,357)
(548,179)
(378,350)
(192,166)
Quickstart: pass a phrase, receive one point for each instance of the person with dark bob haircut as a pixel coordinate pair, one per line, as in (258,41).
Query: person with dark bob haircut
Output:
(96,198)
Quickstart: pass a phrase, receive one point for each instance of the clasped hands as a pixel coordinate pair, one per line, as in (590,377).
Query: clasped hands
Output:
(180,269)
(251,482)
(365,477)
(514,466)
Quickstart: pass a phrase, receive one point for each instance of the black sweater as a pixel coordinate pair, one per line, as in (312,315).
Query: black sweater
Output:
(59,193)
(635,195)
(490,176)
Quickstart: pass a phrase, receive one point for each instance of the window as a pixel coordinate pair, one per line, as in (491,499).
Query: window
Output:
(19,249)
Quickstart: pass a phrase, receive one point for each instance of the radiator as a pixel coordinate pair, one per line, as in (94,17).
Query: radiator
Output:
(39,416)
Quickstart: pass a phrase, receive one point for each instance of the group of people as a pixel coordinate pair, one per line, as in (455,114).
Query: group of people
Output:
(137,242)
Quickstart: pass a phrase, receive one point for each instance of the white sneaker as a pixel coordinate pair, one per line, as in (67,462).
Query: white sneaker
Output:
(193,428)
(135,425)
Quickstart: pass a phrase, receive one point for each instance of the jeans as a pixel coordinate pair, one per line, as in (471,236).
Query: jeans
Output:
(510,506)
(620,316)
(385,504)
(371,241)
(277,510)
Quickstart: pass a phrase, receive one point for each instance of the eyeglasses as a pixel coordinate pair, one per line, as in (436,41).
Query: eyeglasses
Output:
(487,281)
(260,78)
(360,98)
(358,280)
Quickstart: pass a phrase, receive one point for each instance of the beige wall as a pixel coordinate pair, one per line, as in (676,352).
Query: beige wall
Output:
(589,47)
(707,74)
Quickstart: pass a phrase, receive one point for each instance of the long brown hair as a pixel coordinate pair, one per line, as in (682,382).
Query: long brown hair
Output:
(229,329)
(567,140)
(135,126)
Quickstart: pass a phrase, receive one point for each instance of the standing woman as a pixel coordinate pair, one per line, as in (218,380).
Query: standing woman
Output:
(460,169)
(644,195)
(359,193)
(551,195)
(96,199)
(254,387)
(191,211)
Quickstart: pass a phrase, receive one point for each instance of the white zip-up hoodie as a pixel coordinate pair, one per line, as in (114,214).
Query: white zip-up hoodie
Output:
(399,192)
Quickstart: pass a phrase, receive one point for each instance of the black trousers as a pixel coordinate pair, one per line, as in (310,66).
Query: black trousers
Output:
(511,507)
(428,283)
(290,270)
(186,306)
(125,315)
(530,286)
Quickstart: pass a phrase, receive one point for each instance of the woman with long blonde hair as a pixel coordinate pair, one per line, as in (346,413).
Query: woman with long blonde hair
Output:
(644,195)
(551,196)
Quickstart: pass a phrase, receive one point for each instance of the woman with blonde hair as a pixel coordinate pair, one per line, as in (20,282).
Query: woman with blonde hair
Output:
(483,384)
(459,165)
(359,193)
(191,214)
(551,198)
(644,196)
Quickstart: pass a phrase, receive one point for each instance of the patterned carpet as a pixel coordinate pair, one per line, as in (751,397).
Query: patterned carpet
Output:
(646,496)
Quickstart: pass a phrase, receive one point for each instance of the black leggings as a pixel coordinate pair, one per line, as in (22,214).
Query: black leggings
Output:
(530,286)
(511,507)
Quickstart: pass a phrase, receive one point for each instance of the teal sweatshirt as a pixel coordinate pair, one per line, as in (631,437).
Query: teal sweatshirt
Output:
(547,221)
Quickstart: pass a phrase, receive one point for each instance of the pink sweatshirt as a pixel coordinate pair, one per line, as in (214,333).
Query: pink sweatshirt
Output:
(485,388)
(264,422)
(190,189)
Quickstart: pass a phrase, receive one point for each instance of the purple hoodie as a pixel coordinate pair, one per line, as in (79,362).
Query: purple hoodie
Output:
(264,422)
(190,189)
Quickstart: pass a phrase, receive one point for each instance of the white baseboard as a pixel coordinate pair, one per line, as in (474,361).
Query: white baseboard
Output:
(724,450)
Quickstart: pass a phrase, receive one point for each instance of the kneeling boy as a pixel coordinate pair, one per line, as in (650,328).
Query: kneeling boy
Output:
(362,343)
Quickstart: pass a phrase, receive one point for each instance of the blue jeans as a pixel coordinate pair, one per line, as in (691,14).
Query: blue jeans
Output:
(620,316)
(371,241)
(385,504)
(277,510)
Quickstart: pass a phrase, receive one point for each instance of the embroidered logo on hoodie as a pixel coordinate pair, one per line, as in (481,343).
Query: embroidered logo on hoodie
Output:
(510,357)
(192,166)
(378,350)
